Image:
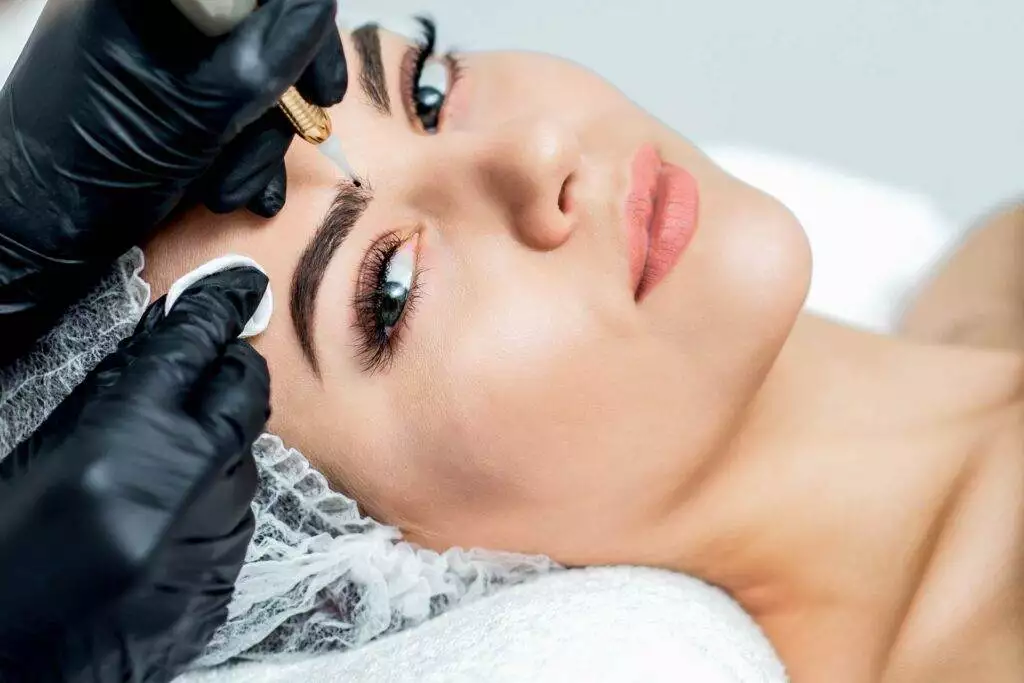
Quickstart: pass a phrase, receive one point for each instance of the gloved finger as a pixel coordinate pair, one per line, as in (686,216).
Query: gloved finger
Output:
(152,317)
(270,200)
(231,409)
(248,164)
(325,81)
(205,319)
(233,405)
(263,56)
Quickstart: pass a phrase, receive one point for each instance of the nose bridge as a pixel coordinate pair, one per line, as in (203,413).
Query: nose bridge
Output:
(525,166)
(532,150)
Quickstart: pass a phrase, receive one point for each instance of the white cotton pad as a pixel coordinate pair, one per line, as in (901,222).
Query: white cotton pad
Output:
(259,320)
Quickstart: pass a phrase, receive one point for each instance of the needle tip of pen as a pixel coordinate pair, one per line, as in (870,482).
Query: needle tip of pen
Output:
(332,149)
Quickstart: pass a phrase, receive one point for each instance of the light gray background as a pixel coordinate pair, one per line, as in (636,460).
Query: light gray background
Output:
(926,95)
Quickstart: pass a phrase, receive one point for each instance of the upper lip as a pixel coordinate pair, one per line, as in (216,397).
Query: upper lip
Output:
(661,215)
(639,211)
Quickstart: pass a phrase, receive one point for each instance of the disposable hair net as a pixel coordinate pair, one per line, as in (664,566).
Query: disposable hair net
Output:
(318,576)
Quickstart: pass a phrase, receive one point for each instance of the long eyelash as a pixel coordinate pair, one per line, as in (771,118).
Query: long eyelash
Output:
(456,66)
(424,50)
(377,343)
(425,46)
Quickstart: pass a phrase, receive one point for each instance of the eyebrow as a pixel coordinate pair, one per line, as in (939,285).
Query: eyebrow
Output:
(371,73)
(348,206)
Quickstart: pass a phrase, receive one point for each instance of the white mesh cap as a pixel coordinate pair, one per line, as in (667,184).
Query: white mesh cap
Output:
(33,385)
(318,576)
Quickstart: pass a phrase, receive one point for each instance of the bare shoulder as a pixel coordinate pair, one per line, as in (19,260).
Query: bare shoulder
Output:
(976,297)
(967,621)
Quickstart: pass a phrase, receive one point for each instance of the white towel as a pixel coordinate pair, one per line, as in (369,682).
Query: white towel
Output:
(596,625)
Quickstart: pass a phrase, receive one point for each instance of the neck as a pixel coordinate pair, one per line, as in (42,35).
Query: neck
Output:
(836,489)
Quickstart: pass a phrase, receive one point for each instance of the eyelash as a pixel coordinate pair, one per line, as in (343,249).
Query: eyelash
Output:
(378,343)
(422,52)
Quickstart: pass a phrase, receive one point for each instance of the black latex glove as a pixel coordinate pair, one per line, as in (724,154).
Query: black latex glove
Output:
(115,109)
(125,519)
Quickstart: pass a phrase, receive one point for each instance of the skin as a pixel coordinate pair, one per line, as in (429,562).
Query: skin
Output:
(977,297)
(861,496)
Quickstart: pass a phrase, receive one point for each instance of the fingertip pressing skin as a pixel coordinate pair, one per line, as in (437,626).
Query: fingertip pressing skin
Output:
(259,321)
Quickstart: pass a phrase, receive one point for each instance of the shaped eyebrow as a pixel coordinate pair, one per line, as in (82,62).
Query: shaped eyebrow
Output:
(371,72)
(346,209)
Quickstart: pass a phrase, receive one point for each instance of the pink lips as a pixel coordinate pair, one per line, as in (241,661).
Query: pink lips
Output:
(661,215)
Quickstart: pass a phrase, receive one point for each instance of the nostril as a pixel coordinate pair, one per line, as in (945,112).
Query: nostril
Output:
(564,200)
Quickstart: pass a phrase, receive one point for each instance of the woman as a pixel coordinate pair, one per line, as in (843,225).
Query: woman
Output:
(546,323)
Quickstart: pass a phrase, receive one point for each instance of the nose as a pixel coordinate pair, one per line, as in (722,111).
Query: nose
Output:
(526,167)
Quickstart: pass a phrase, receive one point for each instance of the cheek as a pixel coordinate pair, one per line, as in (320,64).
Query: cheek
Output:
(552,432)
(511,358)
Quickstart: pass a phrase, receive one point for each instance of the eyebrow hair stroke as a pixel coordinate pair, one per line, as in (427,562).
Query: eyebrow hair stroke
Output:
(371,74)
(348,206)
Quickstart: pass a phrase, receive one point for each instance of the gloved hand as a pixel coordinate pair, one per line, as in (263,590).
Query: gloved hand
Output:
(115,109)
(125,519)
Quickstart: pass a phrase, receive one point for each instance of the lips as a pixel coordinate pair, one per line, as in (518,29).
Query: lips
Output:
(660,218)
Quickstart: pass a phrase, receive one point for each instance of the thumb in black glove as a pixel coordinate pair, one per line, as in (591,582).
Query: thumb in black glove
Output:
(125,519)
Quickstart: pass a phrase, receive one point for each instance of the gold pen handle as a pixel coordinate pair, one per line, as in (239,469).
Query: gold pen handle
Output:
(310,121)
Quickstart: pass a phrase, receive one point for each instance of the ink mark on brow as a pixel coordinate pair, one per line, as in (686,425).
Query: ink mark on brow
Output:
(347,207)
(371,75)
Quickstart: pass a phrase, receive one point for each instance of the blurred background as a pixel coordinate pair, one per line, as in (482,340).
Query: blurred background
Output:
(923,95)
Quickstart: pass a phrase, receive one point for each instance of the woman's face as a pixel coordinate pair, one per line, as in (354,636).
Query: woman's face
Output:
(523,396)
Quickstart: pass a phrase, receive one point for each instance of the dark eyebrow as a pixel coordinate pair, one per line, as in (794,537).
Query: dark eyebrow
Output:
(371,72)
(347,207)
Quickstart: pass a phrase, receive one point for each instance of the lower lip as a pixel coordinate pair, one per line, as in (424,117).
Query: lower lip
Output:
(661,216)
